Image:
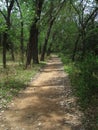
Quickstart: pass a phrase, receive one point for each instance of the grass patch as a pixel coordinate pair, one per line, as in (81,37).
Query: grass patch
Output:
(68,64)
(15,78)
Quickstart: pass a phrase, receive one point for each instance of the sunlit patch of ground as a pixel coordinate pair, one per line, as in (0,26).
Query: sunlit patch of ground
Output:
(47,104)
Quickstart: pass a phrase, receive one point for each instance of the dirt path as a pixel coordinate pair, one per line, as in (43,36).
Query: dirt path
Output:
(47,104)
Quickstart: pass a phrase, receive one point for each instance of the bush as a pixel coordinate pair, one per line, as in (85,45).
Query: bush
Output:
(86,79)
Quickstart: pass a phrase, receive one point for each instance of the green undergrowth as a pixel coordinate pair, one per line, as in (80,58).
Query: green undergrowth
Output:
(84,77)
(84,80)
(13,79)
(68,64)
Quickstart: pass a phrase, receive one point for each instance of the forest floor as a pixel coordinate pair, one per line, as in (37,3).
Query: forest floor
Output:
(46,104)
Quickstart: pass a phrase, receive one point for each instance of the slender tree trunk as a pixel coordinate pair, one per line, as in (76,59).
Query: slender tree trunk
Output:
(49,49)
(83,44)
(12,52)
(29,56)
(50,46)
(22,33)
(40,49)
(22,43)
(35,47)
(4,49)
(75,48)
(46,40)
(51,21)
(30,48)
(1,38)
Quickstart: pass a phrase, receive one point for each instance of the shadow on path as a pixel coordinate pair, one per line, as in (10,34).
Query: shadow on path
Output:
(47,104)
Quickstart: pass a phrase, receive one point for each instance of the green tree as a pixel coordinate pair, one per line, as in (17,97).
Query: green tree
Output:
(82,23)
(53,12)
(6,13)
(32,47)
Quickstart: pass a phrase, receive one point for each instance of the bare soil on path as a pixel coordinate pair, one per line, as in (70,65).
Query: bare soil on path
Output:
(46,104)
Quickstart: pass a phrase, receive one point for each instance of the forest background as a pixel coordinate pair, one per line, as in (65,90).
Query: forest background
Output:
(32,30)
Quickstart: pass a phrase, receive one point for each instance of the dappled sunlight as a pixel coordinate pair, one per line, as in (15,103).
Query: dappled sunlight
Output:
(47,104)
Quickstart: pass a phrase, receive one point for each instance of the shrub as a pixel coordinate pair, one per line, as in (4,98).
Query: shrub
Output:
(86,79)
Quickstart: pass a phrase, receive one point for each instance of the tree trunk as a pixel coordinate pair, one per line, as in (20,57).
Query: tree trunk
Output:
(50,46)
(40,49)
(75,48)
(32,48)
(22,33)
(1,38)
(12,52)
(29,48)
(7,15)
(46,40)
(35,47)
(22,43)
(4,49)
(83,44)
(49,49)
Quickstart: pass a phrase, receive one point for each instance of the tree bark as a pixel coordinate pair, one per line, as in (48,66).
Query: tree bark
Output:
(4,49)
(32,50)
(32,47)
(22,43)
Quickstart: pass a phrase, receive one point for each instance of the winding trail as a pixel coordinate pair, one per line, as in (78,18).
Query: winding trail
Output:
(47,104)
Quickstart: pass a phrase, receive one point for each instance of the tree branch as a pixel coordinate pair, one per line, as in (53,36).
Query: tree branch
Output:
(11,6)
(6,4)
(58,10)
(90,16)
(3,14)
(19,8)
(77,11)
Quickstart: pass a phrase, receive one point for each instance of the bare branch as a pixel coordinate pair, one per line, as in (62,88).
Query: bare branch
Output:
(58,10)
(19,8)
(90,16)
(79,14)
(77,11)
